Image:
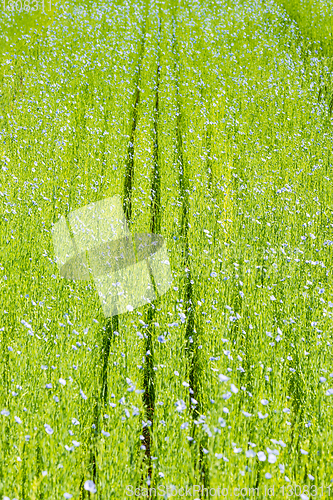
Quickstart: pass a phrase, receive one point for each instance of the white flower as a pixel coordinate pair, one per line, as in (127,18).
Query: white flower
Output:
(48,429)
(261,456)
(304,452)
(90,486)
(268,475)
(246,414)
(180,405)
(67,495)
(271,458)
(76,443)
(83,394)
(223,378)
(250,453)
(264,402)
(233,388)
(62,381)
(222,422)
(260,415)
(105,433)
(26,324)
(18,420)
(227,395)
(5,412)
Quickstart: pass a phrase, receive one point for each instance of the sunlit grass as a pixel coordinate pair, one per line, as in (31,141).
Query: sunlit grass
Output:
(248,188)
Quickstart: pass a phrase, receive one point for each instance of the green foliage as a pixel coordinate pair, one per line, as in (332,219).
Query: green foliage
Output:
(204,117)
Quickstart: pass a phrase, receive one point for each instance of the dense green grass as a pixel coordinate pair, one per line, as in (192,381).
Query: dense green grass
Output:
(204,117)
(315,19)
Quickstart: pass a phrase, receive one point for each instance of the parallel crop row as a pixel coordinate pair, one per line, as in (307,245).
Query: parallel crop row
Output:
(204,117)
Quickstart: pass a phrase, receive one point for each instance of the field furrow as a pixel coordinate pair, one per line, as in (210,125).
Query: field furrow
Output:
(211,122)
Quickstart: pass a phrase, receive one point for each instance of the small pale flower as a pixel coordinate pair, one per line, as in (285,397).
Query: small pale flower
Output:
(90,486)
(261,416)
(180,405)
(83,394)
(48,429)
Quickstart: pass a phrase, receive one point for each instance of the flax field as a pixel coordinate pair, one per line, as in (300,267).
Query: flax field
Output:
(212,121)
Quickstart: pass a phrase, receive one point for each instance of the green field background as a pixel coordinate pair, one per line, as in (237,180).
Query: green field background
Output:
(212,121)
